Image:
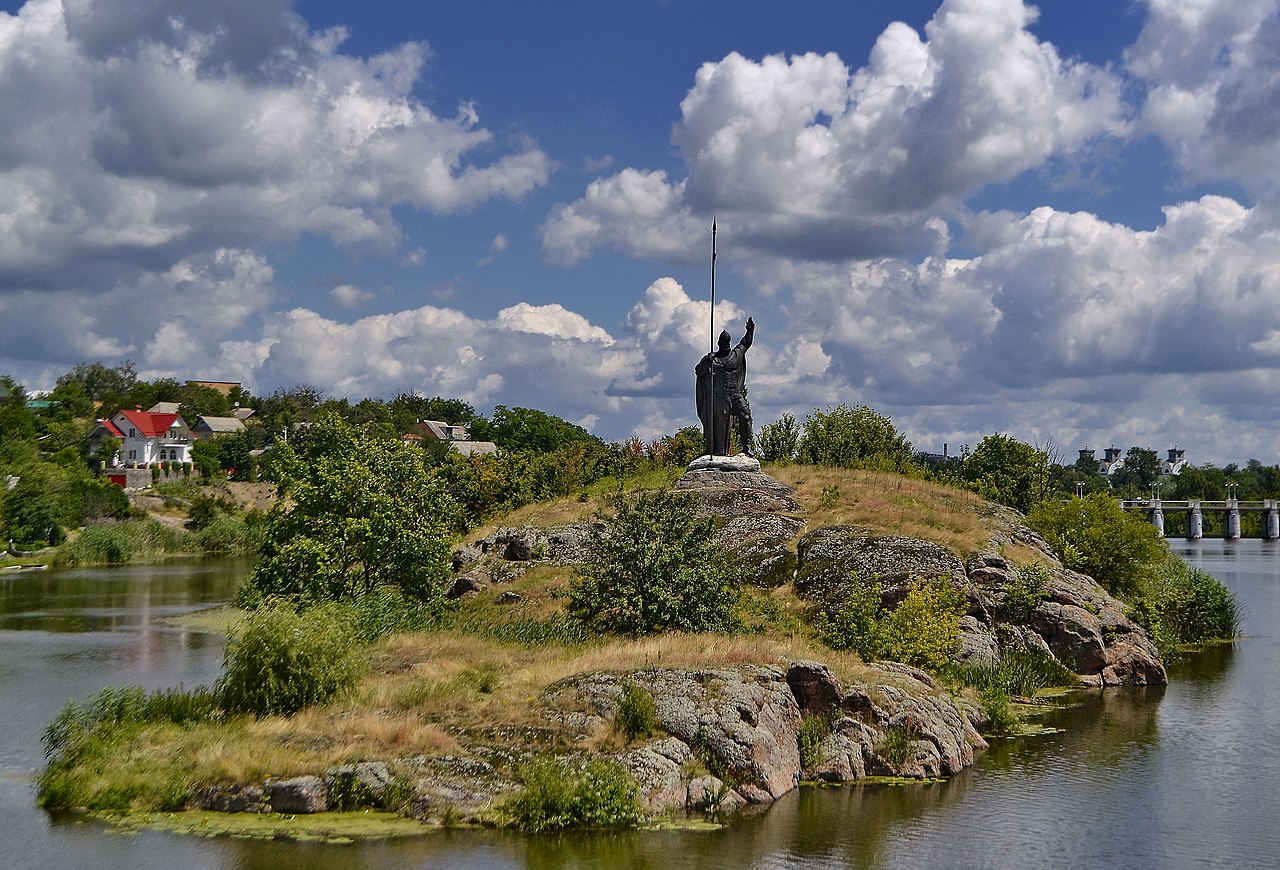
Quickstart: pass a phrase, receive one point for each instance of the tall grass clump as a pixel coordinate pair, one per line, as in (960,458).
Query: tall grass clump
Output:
(1183,606)
(1019,671)
(117,543)
(80,735)
(280,661)
(555,797)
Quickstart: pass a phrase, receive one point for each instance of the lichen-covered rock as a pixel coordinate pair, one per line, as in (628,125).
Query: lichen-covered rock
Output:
(229,799)
(816,689)
(830,557)
(1077,622)
(978,644)
(757,545)
(361,784)
(842,756)
(745,719)
(735,494)
(658,770)
(454,784)
(297,796)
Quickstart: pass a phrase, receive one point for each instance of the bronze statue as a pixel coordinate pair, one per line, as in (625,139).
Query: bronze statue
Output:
(722,393)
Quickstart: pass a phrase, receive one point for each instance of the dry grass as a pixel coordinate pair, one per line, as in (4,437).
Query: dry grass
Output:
(547,513)
(889,504)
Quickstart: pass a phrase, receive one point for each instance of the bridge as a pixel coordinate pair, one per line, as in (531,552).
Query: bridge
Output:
(1195,509)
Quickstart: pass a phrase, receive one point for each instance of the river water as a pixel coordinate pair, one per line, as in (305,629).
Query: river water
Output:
(1181,777)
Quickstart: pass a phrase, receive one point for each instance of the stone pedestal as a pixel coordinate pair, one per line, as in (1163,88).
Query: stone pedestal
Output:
(741,462)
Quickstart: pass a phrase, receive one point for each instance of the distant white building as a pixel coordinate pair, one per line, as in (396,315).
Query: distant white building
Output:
(148,437)
(1174,463)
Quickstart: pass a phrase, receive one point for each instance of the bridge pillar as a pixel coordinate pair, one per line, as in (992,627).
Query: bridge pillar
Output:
(1195,522)
(1273,523)
(1232,531)
(1157,519)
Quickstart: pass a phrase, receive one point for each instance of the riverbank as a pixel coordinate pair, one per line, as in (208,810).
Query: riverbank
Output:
(446,725)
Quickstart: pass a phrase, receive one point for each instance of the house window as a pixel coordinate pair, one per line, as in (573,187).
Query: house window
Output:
(133,433)
(133,454)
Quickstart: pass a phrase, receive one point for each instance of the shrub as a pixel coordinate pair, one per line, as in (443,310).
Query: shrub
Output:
(1005,470)
(923,630)
(831,497)
(778,442)
(280,661)
(1095,536)
(655,567)
(813,731)
(1025,593)
(995,700)
(895,746)
(856,626)
(637,715)
(856,437)
(602,795)
(1180,605)
(357,511)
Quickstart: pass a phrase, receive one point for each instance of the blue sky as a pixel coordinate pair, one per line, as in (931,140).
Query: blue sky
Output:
(973,215)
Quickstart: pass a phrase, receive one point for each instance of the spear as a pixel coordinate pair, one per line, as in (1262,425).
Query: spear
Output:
(713,285)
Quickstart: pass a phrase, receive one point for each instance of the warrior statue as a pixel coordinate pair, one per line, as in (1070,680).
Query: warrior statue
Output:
(722,392)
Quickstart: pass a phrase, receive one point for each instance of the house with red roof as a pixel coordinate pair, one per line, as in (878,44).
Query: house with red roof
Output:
(148,437)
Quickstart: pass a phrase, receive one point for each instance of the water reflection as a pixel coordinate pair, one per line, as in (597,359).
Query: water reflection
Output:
(1169,778)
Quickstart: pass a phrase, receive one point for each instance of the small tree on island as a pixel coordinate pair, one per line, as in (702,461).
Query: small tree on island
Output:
(655,567)
(857,437)
(356,512)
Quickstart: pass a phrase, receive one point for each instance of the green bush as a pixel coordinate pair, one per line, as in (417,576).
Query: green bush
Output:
(655,567)
(1095,536)
(995,700)
(923,630)
(856,437)
(637,715)
(856,625)
(280,661)
(1180,606)
(778,442)
(1025,593)
(813,731)
(1005,470)
(602,796)
(357,511)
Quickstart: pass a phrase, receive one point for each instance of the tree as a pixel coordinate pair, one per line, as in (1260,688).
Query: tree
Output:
(856,437)
(530,429)
(1005,470)
(655,567)
(1095,536)
(356,512)
(779,441)
(1141,469)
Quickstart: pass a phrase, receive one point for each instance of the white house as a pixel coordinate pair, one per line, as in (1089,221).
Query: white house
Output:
(149,437)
